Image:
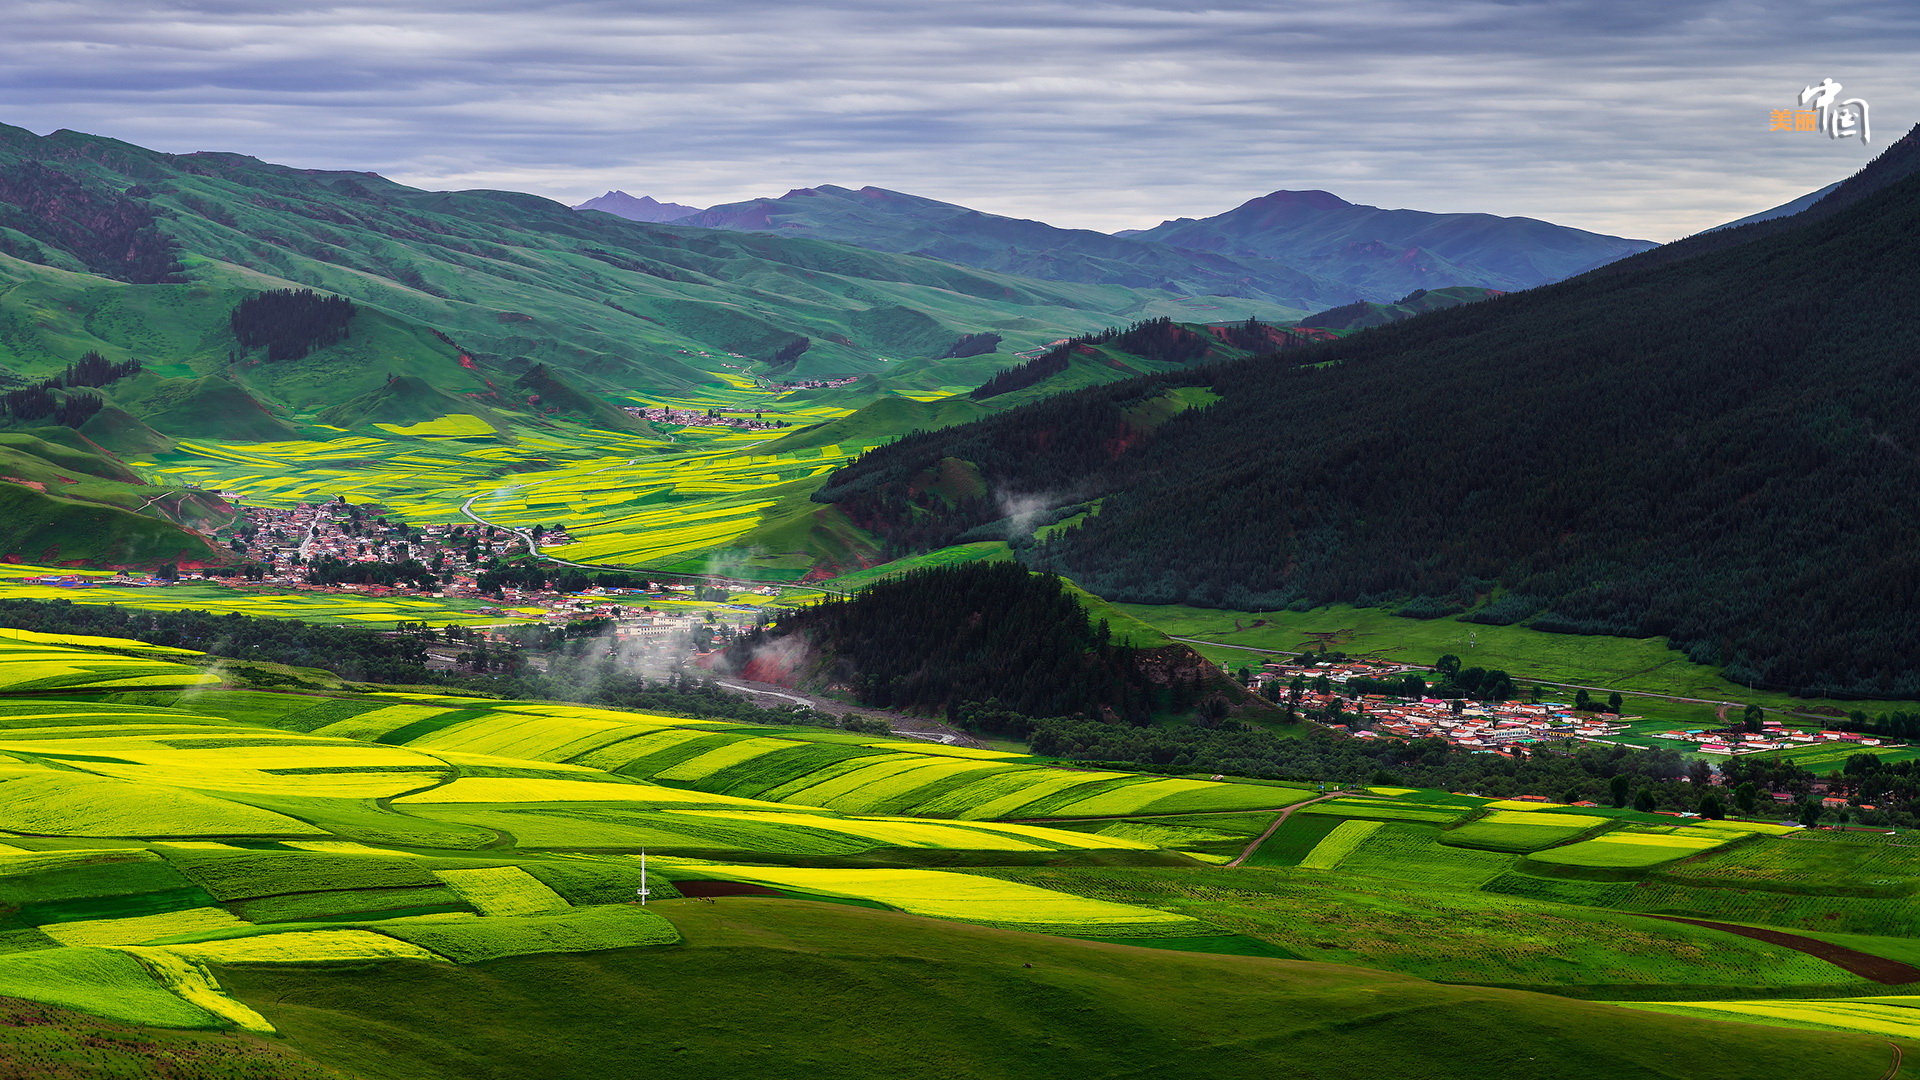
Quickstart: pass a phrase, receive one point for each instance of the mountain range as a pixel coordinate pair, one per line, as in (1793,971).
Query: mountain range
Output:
(1307,248)
(1380,254)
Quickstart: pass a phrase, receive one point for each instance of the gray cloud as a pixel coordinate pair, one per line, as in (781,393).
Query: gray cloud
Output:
(1633,117)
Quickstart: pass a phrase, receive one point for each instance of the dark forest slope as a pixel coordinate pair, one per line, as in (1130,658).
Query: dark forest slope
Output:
(1724,450)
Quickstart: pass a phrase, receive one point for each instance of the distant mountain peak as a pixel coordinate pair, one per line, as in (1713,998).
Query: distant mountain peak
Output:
(644,208)
(1314,200)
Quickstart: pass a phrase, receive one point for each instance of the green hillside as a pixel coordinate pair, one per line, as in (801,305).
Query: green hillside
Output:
(516,280)
(405,400)
(49,529)
(1706,451)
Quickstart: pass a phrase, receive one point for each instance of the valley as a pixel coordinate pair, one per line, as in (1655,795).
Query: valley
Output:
(452,634)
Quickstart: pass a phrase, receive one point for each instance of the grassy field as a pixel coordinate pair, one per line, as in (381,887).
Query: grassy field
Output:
(782,989)
(1642,664)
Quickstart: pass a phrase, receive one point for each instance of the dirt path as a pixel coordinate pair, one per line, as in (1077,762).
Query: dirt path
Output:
(1277,822)
(1866,965)
(1894,1069)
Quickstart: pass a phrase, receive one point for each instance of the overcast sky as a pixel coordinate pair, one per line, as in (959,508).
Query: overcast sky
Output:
(1645,118)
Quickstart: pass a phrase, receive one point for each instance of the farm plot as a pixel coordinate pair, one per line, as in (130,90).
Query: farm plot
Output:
(243,874)
(522,790)
(503,890)
(139,928)
(471,940)
(1522,830)
(105,982)
(1181,796)
(1807,861)
(1898,1017)
(48,803)
(301,947)
(1413,854)
(1631,848)
(1388,810)
(968,898)
(33,665)
(1338,844)
(240,762)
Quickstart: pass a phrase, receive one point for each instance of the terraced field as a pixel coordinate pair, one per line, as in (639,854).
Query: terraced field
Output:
(166,847)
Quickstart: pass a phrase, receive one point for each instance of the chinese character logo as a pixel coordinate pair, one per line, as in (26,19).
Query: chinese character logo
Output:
(1820,111)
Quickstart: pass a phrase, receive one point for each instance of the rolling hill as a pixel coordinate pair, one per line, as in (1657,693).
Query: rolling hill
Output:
(1712,448)
(514,279)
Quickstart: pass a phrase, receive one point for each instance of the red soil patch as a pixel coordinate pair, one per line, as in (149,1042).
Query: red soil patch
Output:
(1866,965)
(724,888)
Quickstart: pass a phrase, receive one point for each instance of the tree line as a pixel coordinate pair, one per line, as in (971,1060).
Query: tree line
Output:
(40,400)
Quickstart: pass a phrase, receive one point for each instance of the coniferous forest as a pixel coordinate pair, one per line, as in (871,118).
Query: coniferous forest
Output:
(932,638)
(290,323)
(1722,450)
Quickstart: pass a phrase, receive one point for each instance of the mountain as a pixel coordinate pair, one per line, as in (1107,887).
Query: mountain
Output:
(1380,254)
(891,221)
(130,252)
(1785,209)
(1719,449)
(644,208)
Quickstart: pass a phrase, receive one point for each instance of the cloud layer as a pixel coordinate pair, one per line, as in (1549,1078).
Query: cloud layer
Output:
(1633,117)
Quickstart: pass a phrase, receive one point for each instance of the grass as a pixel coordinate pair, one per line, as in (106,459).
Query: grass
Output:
(45,1041)
(1448,933)
(782,989)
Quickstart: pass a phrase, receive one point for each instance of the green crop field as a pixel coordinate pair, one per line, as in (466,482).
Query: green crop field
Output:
(177,850)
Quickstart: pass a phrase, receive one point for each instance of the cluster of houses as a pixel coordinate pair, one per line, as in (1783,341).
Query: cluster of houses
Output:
(1773,736)
(1491,726)
(696,418)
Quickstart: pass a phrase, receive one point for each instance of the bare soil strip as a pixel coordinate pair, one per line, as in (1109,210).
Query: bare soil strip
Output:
(1866,965)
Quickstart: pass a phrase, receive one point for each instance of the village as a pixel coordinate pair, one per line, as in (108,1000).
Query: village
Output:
(1499,727)
(703,418)
(341,549)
